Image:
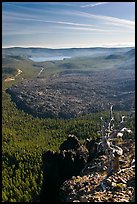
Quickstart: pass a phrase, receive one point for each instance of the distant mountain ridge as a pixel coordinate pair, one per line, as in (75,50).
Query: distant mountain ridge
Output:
(72,52)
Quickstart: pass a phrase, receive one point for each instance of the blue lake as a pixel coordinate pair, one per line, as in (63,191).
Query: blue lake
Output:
(44,59)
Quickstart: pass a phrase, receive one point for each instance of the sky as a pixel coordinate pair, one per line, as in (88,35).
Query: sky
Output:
(68,24)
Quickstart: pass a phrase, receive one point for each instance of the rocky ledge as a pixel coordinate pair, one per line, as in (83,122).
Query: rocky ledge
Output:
(74,175)
(94,185)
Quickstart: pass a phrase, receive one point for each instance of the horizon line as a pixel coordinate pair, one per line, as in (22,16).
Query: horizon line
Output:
(102,46)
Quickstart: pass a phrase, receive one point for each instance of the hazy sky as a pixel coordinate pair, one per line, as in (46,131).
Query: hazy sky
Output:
(68,24)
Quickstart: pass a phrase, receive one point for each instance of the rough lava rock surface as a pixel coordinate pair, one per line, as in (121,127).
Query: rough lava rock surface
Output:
(74,93)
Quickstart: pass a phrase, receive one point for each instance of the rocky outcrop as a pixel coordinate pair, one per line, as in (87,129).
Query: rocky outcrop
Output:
(74,175)
(94,185)
(60,166)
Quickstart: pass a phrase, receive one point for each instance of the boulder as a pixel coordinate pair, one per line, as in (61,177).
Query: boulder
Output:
(71,143)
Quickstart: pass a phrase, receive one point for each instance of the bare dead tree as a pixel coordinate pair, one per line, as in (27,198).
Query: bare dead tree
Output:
(110,140)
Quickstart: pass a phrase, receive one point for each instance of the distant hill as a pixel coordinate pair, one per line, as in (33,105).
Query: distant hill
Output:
(111,57)
(72,52)
(131,53)
(129,62)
